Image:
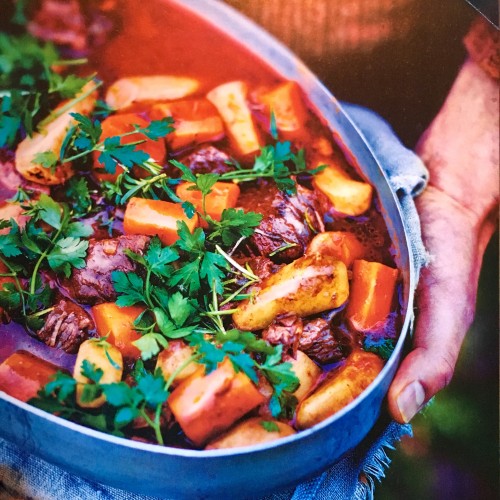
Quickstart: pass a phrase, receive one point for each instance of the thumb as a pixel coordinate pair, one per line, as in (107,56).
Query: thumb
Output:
(445,301)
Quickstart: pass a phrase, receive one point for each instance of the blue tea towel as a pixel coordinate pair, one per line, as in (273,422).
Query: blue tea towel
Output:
(24,476)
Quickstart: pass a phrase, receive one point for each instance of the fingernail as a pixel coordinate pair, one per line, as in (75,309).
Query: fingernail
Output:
(410,400)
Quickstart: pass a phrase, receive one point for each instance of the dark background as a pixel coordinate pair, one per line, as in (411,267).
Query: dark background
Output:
(404,71)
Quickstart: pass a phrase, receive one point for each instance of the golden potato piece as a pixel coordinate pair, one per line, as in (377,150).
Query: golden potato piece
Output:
(230,99)
(126,91)
(252,431)
(307,371)
(106,357)
(171,359)
(340,388)
(342,245)
(50,138)
(309,285)
(347,195)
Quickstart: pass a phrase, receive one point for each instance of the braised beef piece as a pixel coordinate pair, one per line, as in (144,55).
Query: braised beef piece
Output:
(67,326)
(262,267)
(92,284)
(289,222)
(319,343)
(286,330)
(206,160)
(76,24)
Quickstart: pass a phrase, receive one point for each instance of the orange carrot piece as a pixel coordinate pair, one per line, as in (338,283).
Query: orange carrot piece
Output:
(286,103)
(205,406)
(342,245)
(195,121)
(22,375)
(372,289)
(119,124)
(223,195)
(156,217)
(117,324)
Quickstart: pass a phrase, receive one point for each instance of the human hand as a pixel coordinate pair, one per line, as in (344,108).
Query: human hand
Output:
(458,213)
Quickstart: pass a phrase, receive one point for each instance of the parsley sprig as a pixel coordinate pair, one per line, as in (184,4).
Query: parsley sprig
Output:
(124,403)
(29,86)
(50,239)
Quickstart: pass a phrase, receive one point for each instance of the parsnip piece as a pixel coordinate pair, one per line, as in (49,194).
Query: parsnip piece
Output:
(307,371)
(309,285)
(106,357)
(126,91)
(252,431)
(347,195)
(340,388)
(171,359)
(50,138)
(231,101)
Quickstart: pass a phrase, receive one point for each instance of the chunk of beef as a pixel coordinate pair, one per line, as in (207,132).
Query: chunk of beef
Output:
(319,343)
(289,223)
(67,326)
(92,284)
(78,25)
(286,330)
(207,159)
(262,267)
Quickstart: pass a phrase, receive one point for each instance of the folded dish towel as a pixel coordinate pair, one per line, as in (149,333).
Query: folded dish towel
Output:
(25,476)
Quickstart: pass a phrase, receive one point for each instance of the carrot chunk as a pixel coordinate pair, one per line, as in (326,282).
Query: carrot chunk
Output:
(117,324)
(195,121)
(120,124)
(22,375)
(372,289)
(286,103)
(205,406)
(156,217)
(223,195)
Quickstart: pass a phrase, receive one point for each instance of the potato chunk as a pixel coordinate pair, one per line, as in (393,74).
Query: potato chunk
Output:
(50,138)
(342,245)
(106,357)
(347,195)
(252,431)
(307,371)
(340,388)
(231,101)
(171,360)
(309,285)
(126,91)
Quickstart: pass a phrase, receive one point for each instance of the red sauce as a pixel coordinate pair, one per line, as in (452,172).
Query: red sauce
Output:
(168,39)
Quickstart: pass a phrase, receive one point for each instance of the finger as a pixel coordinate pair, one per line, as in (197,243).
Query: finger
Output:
(445,304)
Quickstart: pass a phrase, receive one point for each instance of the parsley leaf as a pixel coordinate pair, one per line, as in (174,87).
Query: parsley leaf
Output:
(129,287)
(234,224)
